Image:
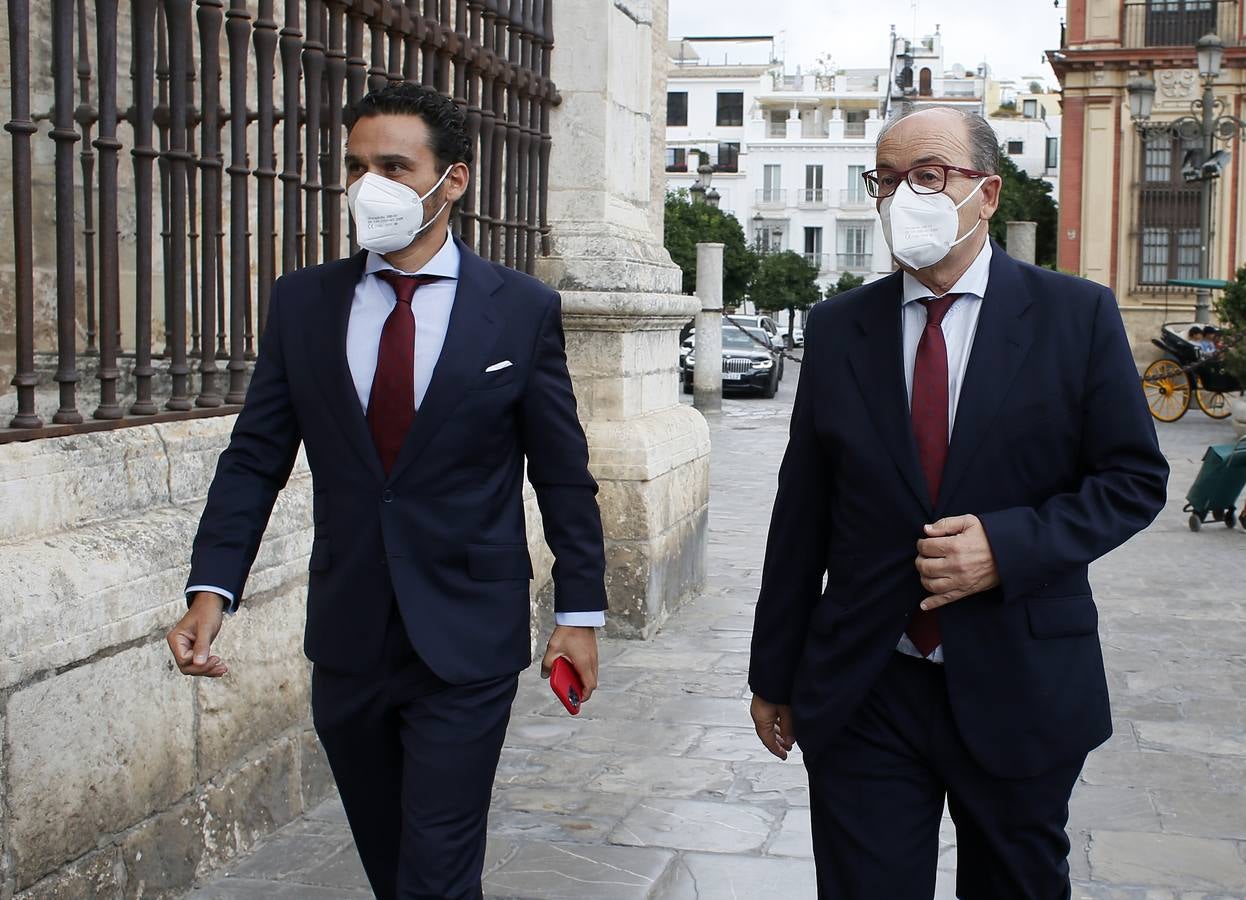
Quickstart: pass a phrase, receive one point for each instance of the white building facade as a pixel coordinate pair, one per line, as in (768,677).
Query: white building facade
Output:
(787,151)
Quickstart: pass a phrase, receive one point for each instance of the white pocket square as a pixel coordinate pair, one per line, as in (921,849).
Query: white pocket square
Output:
(497,367)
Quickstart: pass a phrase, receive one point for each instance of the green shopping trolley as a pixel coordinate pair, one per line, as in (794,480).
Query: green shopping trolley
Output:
(1217,486)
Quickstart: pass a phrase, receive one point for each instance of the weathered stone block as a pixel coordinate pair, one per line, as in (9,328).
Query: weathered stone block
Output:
(94,587)
(267,689)
(96,876)
(93,751)
(315,777)
(162,855)
(249,803)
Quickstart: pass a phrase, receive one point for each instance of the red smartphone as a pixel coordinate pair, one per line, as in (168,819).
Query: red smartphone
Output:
(565,682)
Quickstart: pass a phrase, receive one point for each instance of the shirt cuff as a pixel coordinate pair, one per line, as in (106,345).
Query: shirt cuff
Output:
(593,619)
(230,608)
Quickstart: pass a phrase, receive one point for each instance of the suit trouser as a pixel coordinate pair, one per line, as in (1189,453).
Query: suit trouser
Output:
(877,795)
(414,760)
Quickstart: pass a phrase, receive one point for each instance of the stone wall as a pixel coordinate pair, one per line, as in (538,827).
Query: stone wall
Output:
(120,777)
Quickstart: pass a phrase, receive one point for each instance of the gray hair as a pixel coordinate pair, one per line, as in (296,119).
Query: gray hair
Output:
(983,143)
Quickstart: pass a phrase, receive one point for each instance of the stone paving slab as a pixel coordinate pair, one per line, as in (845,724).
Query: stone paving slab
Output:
(660,789)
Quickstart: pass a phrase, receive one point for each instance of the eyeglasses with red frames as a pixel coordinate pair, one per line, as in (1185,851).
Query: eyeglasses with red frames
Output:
(928,178)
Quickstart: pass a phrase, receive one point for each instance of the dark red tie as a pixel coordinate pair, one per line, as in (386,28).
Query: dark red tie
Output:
(930,429)
(391,404)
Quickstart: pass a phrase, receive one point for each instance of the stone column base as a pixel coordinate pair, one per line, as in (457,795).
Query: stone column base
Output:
(649,453)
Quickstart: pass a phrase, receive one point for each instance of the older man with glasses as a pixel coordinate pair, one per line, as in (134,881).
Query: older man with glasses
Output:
(967,437)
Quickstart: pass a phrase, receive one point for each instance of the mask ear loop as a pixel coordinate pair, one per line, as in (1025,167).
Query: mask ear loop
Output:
(969,233)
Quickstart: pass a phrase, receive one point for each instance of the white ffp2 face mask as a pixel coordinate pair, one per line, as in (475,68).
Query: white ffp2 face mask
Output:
(921,229)
(388,215)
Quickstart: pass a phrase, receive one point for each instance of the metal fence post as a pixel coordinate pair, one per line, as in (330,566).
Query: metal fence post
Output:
(707,381)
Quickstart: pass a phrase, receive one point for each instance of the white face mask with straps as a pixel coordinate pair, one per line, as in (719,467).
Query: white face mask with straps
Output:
(389,215)
(921,228)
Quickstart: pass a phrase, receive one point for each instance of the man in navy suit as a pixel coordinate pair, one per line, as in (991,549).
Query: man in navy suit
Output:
(419,379)
(968,435)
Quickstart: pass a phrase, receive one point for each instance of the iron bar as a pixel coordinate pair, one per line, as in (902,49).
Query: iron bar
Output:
(177,21)
(142,75)
(65,135)
(291,173)
(313,86)
(85,115)
(238,33)
(265,40)
(210,18)
(110,263)
(21,126)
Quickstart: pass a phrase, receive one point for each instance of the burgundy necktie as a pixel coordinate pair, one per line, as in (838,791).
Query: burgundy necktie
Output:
(391,404)
(930,429)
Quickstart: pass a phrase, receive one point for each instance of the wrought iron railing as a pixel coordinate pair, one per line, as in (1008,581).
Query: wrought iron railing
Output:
(1179,23)
(233,125)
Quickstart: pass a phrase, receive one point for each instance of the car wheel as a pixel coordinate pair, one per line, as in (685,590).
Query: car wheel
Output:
(772,388)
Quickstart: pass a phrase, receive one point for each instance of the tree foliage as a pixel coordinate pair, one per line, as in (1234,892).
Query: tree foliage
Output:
(784,281)
(847,281)
(1231,310)
(689,223)
(1026,199)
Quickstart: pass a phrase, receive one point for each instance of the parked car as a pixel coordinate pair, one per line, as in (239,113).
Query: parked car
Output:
(798,336)
(764,323)
(750,363)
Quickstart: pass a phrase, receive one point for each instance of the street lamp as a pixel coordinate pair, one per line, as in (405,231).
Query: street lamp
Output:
(700,190)
(712,197)
(1209,121)
(1209,50)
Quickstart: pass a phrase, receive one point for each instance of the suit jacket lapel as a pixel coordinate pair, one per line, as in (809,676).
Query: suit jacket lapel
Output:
(877,360)
(474,327)
(1000,347)
(326,347)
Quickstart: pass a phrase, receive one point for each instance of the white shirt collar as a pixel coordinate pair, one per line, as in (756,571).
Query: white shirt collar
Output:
(444,264)
(972,282)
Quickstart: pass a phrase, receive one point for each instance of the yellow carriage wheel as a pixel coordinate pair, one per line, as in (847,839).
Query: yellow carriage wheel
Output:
(1214,403)
(1167,389)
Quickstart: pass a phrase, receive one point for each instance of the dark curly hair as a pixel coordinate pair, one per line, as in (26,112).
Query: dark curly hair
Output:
(447,128)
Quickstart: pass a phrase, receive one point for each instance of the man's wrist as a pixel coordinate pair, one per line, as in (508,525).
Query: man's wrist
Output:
(203,598)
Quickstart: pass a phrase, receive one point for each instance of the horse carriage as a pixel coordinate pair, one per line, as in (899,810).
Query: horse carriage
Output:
(1184,374)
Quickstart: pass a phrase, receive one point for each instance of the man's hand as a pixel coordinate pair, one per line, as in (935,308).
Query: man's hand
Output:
(578,645)
(191,638)
(955,560)
(773,723)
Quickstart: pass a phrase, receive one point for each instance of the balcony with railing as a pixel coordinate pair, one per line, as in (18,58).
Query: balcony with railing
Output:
(813,198)
(1179,23)
(855,198)
(854,129)
(771,198)
(821,260)
(855,262)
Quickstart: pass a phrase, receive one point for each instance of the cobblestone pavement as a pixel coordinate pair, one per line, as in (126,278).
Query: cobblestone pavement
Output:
(661,790)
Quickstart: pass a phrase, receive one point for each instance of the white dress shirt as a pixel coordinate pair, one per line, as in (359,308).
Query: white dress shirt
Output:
(373,301)
(960,324)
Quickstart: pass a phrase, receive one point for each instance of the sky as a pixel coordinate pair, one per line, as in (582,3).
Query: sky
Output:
(1010,35)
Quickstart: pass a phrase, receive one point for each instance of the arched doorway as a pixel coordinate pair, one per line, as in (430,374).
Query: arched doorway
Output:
(923,86)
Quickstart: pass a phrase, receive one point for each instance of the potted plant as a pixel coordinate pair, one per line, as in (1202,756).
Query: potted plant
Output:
(1231,310)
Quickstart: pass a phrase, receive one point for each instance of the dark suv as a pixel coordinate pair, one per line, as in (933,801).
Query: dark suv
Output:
(750,363)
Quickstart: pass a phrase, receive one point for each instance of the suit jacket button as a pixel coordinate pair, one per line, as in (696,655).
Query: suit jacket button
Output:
(388,496)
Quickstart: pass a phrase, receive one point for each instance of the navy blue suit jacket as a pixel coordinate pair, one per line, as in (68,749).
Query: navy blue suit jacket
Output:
(444,531)
(1052,448)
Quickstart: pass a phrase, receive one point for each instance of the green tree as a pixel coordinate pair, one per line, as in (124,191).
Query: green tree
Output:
(1026,199)
(689,223)
(1231,310)
(785,281)
(847,281)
